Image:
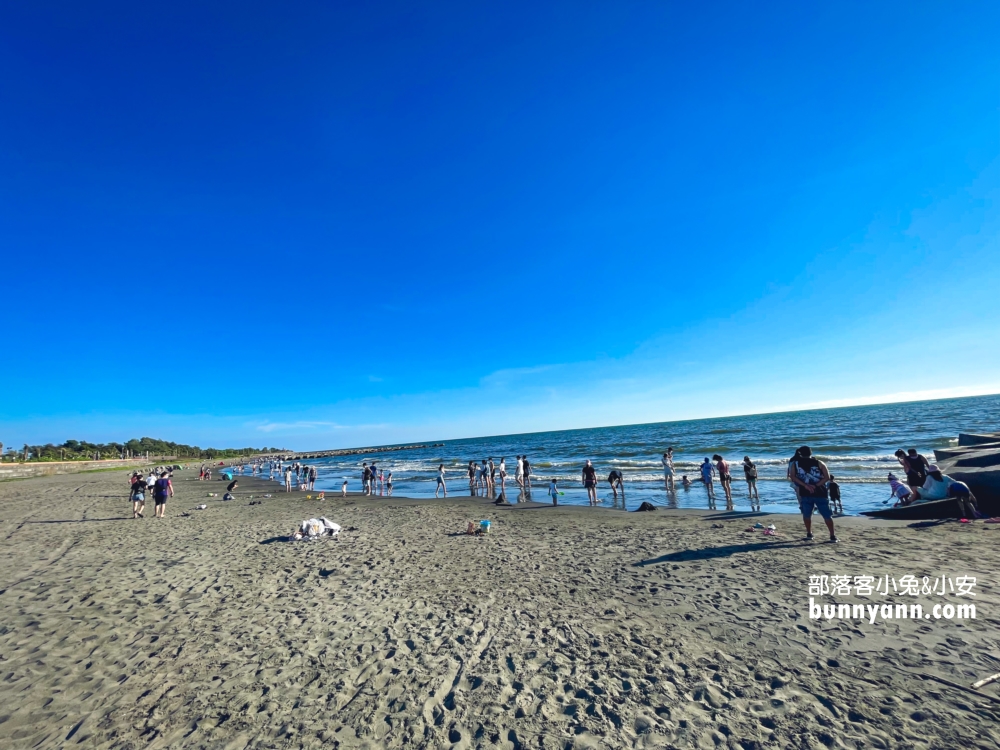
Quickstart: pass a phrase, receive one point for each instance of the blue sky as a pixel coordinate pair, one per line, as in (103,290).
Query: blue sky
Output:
(322,224)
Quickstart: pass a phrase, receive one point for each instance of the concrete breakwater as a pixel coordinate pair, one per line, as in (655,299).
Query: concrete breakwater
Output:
(360,451)
(48,468)
(976,461)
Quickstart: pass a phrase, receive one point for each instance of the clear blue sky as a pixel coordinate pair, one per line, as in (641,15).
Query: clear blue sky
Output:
(318,224)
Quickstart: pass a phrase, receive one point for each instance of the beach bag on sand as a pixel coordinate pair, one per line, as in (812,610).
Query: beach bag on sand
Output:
(645,507)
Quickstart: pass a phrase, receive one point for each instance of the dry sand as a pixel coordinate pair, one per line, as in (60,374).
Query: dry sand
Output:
(568,627)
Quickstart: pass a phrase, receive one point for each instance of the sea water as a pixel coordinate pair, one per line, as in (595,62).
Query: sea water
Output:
(856,443)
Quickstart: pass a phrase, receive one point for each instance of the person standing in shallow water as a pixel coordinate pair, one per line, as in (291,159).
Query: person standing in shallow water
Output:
(811,477)
(750,473)
(707,472)
(725,479)
(835,503)
(615,480)
(668,469)
(589,476)
(440,482)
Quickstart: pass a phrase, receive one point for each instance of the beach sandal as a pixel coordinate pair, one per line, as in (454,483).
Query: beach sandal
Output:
(769,532)
(749,528)
(758,525)
(992,520)
(964,520)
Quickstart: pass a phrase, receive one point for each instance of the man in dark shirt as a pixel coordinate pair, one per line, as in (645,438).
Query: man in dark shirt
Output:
(916,468)
(527,472)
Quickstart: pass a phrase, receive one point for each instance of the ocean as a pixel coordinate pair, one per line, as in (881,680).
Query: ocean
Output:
(857,443)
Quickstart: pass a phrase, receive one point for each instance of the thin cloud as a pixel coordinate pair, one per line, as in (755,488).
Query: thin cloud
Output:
(314,425)
(900,397)
(507,376)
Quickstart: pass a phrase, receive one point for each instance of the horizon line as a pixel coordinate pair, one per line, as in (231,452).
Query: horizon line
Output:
(794,410)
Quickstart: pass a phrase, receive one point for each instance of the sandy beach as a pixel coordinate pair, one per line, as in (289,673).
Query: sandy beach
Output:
(566,627)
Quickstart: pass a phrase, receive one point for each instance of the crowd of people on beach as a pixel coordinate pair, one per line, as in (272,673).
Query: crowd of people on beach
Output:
(484,477)
(816,489)
(374,481)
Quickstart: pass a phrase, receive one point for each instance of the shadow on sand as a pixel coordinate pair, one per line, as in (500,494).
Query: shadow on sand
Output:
(85,520)
(735,514)
(274,539)
(711,553)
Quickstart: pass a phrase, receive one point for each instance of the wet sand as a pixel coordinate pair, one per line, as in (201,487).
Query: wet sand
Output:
(566,627)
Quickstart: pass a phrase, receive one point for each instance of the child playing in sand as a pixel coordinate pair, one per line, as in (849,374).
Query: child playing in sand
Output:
(554,492)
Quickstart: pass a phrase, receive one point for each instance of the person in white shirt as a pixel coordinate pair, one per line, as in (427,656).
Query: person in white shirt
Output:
(440,482)
(935,486)
(519,472)
(668,469)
